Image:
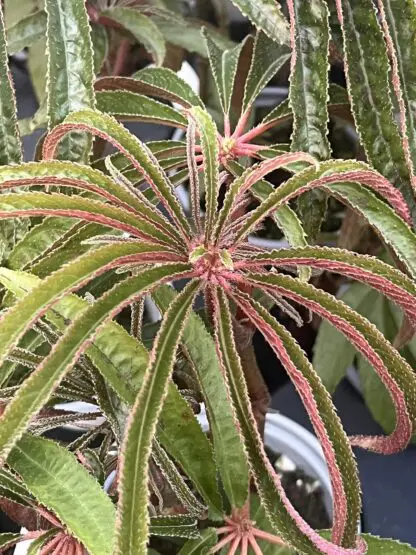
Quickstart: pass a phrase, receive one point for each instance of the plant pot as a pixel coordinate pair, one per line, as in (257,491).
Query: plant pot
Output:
(284,435)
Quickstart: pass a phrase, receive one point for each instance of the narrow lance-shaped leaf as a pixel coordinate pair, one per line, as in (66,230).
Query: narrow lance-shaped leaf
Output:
(343,178)
(209,144)
(230,457)
(60,483)
(268,57)
(154,81)
(291,527)
(224,65)
(367,71)
(393,370)
(139,155)
(129,106)
(267,16)
(70,70)
(285,218)
(372,271)
(142,28)
(122,361)
(17,319)
(308,95)
(132,516)
(398,21)
(10,145)
(37,389)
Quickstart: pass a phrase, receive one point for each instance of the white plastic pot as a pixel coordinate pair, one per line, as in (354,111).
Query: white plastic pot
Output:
(283,435)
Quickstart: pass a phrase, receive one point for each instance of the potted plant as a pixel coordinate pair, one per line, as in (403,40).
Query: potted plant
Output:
(96,235)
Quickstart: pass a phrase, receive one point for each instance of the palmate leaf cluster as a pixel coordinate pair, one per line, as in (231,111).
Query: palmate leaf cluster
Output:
(87,238)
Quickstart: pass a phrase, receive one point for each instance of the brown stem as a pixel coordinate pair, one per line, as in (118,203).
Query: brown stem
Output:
(257,388)
(121,57)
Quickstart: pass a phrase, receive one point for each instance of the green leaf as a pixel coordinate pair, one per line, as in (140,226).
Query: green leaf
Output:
(70,70)
(202,545)
(224,65)
(137,152)
(285,218)
(308,95)
(37,544)
(37,389)
(186,33)
(26,32)
(132,517)
(166,84)
(60,483)
(29,204)
(100,46)
(122,360)
(368,81)
(37,240)
(131,106)
(228,448)
(400,18)
(378,546)
(210,151)
(10,145)
(37,63)
(174,526)
(267,16)
(142,28)
(394,231)
(333,353)
(268,57)
(8,540)
(270,494)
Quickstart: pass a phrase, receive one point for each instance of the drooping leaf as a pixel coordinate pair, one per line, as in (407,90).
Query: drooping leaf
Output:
(37,389)
(122,361)
(10,145)
(367,71)
(202,545)
(268,57)
(224,64)
(229,453)
(333,176)
(157,81)
(37,544)
(394,371)
(290,525)
(137,152)
(59,482)
(26,32)
(70,70)
(144,30)
(308,95)
(128,106)
(132,515)
(267,16)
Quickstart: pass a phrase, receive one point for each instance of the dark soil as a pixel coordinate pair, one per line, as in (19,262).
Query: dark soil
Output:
(304,492)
